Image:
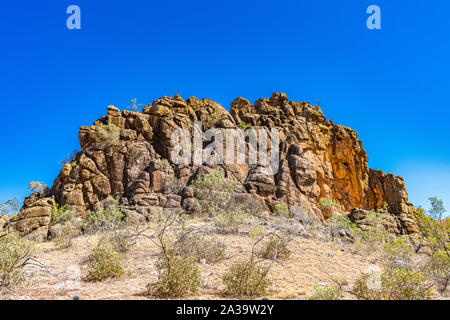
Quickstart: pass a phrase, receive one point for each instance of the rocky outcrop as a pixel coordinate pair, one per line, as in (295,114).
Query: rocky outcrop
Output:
(317,159)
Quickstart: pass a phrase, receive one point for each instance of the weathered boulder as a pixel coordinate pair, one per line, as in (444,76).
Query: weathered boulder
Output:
(34,217)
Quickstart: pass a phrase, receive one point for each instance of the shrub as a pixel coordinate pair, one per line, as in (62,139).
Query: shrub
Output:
(229,221)
(15,253)
(134,105)
(244,126)
(280,209)
(105,219)
(332,292)
(120,242)
(341,222)
(106,135)
(177,277)
(274,245)
(214,181)
(65,233)
(246,278)
(397,282)
(328,204)
(104,262)
(201,248)
(397,249)
(37,186)
(384,208)
(60,214)
(438,268)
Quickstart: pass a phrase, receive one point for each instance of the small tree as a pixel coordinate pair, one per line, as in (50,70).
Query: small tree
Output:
(37,186)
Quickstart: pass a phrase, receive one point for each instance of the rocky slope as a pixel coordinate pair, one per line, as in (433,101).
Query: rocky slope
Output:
(318,159)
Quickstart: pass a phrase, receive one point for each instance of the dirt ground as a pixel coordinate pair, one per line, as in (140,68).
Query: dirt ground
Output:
(293,279)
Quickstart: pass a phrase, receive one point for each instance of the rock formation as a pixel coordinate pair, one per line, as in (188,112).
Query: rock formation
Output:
(318,159)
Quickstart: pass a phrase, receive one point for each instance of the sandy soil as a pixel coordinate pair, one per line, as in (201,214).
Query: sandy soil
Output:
(294,279)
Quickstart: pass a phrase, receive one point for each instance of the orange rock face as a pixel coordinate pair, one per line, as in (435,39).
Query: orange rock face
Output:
(318,159)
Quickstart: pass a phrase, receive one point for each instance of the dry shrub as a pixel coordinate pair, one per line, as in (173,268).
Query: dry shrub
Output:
(106,135)
(229,221)
(246,278)
(63,234)
(199,246)
(275,247)
(121,243)
(15,253)
(104,262)
(177,277)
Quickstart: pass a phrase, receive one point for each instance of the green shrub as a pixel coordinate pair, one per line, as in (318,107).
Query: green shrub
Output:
(178,276)
(110,218)
(397,282)
(328,204)
(244,126)
(104,262)
(280,209)
(384,208)
(274,245)
(397,249)
(15,253)
(215,181)
(246,278)
(106,135)
(332,292)
(340,222)
(438,269)
(61,214)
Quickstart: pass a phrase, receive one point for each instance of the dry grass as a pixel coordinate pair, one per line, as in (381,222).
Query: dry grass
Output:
(293,279)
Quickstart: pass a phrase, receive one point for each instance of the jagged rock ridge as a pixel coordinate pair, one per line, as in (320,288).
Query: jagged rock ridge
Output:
(317,159)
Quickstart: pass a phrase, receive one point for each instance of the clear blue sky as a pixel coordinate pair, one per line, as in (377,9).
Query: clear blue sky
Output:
(391,85)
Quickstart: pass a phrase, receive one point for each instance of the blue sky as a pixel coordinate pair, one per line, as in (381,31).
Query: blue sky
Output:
(391,85)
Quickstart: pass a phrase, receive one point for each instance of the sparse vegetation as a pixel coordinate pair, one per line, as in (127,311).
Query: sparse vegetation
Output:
(397,282)
(37,186)
(275,247)
(106,135)
(104,262)
(215,191)
(134,105)
(64,233)
(61,214)
(329,292)
(244,126)
(109,218)
(328,204)
(15,254)
(178,276)
(202,248)
(281,210)
(246,278)
(229,221)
